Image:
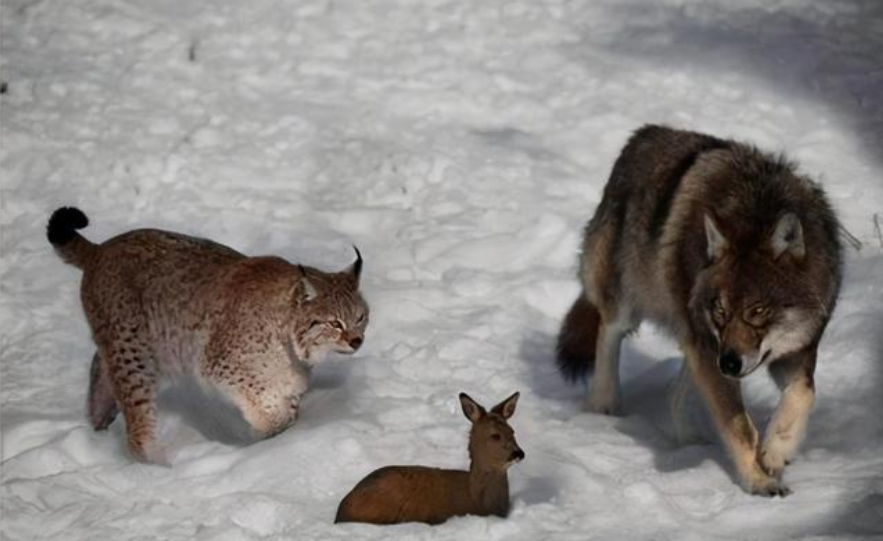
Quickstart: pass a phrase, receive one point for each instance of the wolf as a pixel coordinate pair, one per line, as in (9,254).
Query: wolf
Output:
(162,305)
(734,254)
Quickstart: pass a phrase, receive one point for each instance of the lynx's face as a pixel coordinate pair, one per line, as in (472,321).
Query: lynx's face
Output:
(332,314)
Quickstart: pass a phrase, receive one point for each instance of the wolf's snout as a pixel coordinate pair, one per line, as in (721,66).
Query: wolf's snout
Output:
(356,342)
(730,363)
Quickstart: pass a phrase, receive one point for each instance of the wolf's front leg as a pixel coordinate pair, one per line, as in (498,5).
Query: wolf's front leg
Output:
(724,399)
(794,376)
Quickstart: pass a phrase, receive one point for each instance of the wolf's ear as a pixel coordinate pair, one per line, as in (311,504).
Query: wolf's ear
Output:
(714,239)
(304,287)
(355,270)
(472,409)
(507,407)
(788,235)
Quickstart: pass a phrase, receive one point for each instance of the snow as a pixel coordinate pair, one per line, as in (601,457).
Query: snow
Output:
(462,146)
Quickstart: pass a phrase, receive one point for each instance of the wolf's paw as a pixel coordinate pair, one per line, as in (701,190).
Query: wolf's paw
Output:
(773,462)
(769,487)
(775,455)
(603,405)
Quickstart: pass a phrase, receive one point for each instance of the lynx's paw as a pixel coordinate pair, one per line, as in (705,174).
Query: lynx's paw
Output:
(151,453)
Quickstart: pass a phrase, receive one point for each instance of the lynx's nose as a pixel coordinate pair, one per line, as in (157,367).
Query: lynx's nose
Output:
(356,342)
(730,363)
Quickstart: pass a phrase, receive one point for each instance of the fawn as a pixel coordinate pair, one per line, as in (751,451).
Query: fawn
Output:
(396,494)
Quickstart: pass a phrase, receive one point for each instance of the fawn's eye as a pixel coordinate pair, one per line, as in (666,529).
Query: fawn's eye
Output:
(496,437)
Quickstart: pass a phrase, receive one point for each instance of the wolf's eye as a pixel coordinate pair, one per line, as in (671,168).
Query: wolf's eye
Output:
(757,315)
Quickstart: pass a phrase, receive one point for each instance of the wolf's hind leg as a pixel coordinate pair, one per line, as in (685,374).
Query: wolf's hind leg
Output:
(786,429)
(724,399)
(102,404)
(604,388)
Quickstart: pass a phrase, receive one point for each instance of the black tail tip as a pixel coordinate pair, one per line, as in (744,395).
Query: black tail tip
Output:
(63,225)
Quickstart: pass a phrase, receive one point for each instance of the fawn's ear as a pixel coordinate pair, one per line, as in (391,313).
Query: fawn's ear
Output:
(472,409)
(507,407)
(355,270)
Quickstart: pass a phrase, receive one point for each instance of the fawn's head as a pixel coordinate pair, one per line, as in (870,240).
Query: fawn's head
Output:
(492,442)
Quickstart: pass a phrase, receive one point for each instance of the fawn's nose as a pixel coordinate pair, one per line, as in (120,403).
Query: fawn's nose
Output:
(356,342)
(517,455)
(730,363)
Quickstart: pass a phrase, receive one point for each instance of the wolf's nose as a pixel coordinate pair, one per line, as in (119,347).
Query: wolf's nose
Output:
(730,363)
(355,343)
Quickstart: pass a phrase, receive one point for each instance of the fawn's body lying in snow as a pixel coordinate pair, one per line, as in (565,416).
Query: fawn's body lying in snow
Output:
(396,494)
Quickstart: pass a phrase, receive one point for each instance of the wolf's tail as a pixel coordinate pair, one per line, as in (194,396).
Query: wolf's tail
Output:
(576,342)
(61,231)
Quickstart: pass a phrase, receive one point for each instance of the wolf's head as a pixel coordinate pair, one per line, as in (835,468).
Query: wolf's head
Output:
(757,302)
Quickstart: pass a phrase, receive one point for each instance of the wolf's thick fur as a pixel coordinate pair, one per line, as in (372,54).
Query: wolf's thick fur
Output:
(164,305)
(732,252)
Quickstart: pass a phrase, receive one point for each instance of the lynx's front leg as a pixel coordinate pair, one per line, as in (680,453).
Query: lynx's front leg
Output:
(724,399)
(264,385)
(786,429)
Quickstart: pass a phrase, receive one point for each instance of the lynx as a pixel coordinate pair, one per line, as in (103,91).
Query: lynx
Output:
(163,305)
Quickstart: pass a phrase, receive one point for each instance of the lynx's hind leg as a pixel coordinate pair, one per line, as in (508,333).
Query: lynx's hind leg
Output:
(133,374)
(102,403)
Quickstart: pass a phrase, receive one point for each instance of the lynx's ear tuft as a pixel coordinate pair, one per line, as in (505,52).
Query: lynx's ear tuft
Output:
(788,236)
(356,268)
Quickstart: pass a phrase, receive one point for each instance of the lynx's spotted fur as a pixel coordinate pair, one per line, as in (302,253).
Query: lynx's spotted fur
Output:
(162,305)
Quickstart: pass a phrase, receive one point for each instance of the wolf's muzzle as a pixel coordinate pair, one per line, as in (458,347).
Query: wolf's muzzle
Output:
(730,363)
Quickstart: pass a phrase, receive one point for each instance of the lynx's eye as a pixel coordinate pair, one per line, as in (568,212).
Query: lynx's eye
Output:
(337,324)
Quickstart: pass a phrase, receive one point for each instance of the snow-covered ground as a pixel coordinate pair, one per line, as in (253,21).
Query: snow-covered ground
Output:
(461,145)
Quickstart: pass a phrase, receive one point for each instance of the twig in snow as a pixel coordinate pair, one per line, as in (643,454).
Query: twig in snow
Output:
(850,238)
(877,228)
(191,51)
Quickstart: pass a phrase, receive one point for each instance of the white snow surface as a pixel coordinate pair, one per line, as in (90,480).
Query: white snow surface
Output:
(462,145)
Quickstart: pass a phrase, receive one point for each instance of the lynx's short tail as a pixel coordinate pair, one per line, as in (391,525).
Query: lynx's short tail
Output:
(576,342)
(61,231)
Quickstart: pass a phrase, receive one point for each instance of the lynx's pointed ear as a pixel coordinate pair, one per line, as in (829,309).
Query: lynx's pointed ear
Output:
(356,268)
(714,239)
(788,235)
(472,409)
(507,407)
(306,287)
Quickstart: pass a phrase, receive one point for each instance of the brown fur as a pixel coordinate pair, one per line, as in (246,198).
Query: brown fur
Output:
(164,305)
(733,253)
(396,494)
